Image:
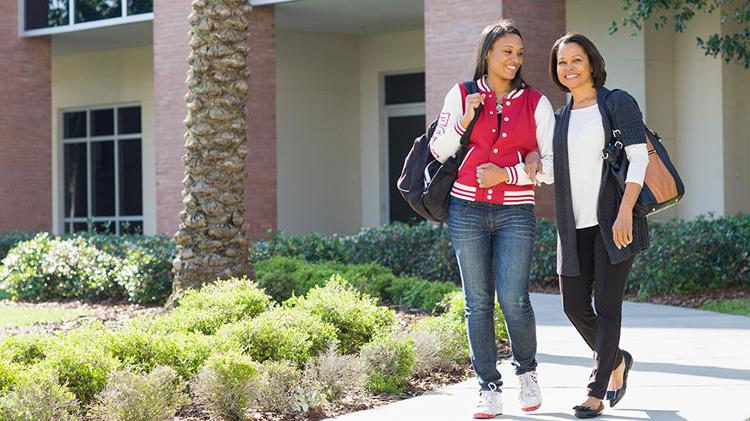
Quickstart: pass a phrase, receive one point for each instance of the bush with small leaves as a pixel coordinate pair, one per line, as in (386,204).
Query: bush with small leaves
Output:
(284,333)
(134,396)
(280,389)
(213,306)
(357,317)
(226,385)
(24,349)
(38,396)
(8,374)
(335,375)
(185,352)
(451,338)
(432,352)
(388,362)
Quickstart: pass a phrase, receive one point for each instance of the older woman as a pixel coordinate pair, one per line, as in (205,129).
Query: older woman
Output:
(598,235)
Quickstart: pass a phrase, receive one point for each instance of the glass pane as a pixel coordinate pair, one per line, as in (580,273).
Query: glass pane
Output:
(75,227)
(131,227)
(403,89)
(131,195)
(129,120)
(102,122)
(102,227)
(136,7)
(75,180)
(91,10)
(103,178)
(74,124)
(46,13)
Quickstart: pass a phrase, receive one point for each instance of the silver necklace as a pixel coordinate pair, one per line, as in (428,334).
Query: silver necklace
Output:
(499,103)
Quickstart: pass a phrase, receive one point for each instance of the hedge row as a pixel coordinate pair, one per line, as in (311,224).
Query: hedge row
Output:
(684,257)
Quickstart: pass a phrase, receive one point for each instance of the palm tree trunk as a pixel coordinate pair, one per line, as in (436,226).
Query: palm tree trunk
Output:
(211,240)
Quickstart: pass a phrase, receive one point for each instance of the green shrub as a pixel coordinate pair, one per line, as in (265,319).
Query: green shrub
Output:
(356,317)
(89,267)
(184,352)
(433,351)
(8,240)
(290,334)
(135,396)
(24,349)
(215,305)
(82,361)
(46,268)
(38,396)
(388,363)
(8,374)
(226,385)
(454,343)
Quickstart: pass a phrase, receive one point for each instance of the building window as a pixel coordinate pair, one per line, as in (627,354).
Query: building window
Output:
(102,180)
(40,14)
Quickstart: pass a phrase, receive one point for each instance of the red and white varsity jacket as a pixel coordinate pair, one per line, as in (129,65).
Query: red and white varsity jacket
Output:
(528,123)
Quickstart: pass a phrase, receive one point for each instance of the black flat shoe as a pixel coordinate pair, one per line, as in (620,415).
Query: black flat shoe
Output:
(586,412)
(615,396)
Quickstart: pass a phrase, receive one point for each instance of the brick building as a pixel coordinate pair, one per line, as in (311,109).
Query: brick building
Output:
(92,94)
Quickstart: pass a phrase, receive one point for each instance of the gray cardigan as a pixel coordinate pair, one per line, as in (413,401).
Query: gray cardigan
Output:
(628,117)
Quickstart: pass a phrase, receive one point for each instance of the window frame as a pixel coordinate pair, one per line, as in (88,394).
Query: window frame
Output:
(115,137)
(125,18)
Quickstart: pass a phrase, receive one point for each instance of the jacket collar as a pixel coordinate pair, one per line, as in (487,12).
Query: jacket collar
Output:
(484,88)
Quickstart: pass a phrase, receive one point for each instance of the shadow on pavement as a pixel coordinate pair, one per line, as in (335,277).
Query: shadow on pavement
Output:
(692,370)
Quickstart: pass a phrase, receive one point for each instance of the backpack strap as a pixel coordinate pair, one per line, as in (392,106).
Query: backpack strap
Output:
(468,88)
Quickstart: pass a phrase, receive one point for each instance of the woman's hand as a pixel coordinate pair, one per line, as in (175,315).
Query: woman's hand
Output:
(533,166)
(622,230)
(489,175)
(472,102)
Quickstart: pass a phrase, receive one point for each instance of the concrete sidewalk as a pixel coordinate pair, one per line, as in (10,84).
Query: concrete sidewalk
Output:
(689,365)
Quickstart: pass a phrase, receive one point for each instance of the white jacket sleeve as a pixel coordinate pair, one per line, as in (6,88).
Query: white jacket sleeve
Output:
(545,130)
(446,140)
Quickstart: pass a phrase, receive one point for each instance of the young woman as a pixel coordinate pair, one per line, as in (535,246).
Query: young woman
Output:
(598,235)
(491,217)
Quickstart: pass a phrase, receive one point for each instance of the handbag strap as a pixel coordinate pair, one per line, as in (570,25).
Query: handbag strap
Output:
(615,139)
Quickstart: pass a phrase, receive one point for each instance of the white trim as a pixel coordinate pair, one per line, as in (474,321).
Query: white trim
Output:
(470,199)
(517,94)
(466,158)
(519,193)
(74,27)
(464,187)
(460,191)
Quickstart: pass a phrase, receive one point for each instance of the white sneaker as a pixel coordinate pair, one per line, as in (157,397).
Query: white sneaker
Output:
(490,404)
(530,397)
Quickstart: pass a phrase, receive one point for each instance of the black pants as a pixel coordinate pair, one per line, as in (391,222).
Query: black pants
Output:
(601,328)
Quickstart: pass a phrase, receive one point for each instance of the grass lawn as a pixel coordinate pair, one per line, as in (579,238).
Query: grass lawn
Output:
(11,316)
(739,306)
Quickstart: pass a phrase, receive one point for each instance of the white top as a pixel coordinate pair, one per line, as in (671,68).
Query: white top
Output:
(585,144)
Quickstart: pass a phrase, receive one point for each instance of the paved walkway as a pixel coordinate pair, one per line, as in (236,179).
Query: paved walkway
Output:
(689,365)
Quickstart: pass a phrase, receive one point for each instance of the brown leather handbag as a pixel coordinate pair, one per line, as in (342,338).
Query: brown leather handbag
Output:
(662,186)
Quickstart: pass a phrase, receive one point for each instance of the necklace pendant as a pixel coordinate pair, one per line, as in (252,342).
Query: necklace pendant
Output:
(499,107)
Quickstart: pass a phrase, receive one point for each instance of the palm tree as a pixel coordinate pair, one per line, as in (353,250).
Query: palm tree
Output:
(211,240)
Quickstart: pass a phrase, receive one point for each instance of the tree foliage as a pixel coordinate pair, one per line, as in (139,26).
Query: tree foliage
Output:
(734,46)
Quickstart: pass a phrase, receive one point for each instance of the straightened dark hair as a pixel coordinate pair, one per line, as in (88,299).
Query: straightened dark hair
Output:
(490,34)
(598,71)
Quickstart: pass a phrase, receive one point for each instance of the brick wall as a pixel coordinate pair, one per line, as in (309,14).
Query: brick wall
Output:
(170,67)
(261,186)
(25,127)
(170,70)
(452,29)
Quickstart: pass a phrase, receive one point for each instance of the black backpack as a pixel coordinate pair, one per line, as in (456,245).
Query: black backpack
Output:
(424,182)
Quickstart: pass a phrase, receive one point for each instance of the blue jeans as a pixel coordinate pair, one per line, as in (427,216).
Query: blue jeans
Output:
(494,245)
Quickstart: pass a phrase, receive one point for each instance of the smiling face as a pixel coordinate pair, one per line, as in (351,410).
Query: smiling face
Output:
(505,57)
(573,66)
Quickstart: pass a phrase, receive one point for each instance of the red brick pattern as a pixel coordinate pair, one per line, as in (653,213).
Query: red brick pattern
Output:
(452,29)
(170,67)
(260,164)
(171,51)
(25,127)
